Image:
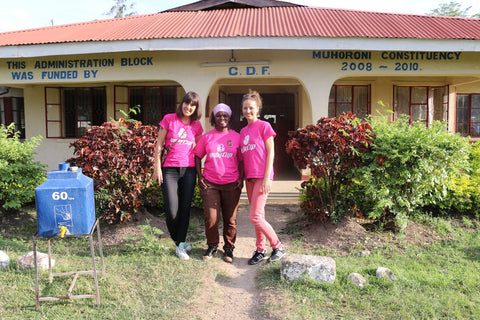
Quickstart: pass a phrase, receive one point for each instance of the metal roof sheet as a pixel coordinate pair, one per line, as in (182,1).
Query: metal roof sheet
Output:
(253,22)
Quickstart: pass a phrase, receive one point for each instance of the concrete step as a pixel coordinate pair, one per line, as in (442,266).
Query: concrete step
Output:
(283,192)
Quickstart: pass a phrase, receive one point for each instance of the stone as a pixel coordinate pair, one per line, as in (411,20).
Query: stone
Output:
(4,260)
(364,253)
(357,279)
(386,273)
(26,261)
(296,267)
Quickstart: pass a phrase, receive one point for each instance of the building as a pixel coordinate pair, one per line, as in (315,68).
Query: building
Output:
(307,62)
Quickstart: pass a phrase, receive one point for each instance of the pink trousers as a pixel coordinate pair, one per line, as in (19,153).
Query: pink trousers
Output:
(263,229)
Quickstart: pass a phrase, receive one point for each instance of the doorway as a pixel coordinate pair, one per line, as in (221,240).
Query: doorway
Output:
(279,110)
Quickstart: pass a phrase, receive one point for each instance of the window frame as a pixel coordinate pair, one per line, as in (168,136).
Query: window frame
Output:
(55,117)
(428,102)
(123,97)
(468,109)
(335,103)
(10,110)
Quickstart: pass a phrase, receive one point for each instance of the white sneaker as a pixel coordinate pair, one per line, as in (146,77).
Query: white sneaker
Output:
(187,246)
(182,253)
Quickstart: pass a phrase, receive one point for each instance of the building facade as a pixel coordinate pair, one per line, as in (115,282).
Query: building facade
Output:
(306,62)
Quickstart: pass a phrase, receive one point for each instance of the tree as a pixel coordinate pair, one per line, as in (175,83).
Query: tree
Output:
(452,9)
(120,8)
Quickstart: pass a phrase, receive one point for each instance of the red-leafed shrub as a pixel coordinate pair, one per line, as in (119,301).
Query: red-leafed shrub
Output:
(331,149)
(118,156)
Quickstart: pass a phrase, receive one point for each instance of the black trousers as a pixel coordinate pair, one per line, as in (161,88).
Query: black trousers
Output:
(177,188)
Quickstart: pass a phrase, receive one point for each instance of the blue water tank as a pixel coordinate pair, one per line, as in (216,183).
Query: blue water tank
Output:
(65,199)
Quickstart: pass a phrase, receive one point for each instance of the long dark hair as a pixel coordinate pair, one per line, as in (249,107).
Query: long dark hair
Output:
(190,98)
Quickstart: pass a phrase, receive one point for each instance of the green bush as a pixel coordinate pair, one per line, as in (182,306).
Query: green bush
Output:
(19,173)
(463,195)
(410,166)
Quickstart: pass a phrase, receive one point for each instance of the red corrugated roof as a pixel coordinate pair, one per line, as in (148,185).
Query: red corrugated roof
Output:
(254,22)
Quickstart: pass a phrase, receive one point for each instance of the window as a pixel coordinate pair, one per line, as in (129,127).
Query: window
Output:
(468,115)
(424,103)
(353,98)
(12,110)
(154,102)
(70,111)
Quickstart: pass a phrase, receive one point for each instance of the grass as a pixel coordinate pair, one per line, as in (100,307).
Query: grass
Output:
(438,282)
(145,280)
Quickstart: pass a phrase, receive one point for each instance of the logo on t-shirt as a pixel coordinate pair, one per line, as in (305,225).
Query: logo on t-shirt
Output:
(247,146)
(182,138)
(182,133)
(221,153)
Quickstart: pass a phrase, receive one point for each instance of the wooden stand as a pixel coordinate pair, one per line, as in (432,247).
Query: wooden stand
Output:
(75,274)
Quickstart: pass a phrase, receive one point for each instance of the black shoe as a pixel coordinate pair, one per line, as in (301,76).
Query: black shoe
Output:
(277,254)
(228,256)
(211,252)
(258,257)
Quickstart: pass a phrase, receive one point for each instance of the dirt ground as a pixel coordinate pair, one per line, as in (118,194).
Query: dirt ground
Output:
(229,290)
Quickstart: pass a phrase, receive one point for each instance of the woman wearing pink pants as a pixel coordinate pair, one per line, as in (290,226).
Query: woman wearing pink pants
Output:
(257,148)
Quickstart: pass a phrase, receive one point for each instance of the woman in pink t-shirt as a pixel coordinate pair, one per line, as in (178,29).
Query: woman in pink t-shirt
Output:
(177,176)
(257,148)
(220,182)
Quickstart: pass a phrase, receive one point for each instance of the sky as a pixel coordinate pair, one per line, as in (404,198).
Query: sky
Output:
(26,14)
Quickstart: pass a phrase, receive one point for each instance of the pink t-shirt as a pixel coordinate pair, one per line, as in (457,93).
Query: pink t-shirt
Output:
(253,148)
(181,153)
(222,150)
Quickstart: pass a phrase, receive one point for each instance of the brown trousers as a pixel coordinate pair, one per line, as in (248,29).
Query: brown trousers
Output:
(222,200)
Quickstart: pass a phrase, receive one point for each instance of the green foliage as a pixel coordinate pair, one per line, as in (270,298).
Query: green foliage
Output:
(121,9)
(452,9)
(19,173)
(118,155)
(410,166)
(152,196)
(197,201)
(463,196)
(331,149)
(149,242)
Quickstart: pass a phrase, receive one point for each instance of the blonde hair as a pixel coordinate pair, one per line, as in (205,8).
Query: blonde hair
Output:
(255,96)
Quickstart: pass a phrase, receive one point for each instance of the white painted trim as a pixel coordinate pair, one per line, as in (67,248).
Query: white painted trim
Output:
(244,43)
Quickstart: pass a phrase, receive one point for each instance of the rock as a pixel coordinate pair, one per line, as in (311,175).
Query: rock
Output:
(386,273)
(26,261)
(364,253)
(357,279)
(297,267)
(4,260)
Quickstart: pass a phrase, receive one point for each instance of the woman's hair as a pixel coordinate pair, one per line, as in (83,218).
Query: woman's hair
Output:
(255,96)
(191,98)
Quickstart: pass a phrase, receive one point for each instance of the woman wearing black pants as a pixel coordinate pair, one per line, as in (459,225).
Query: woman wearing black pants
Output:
(177,176)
